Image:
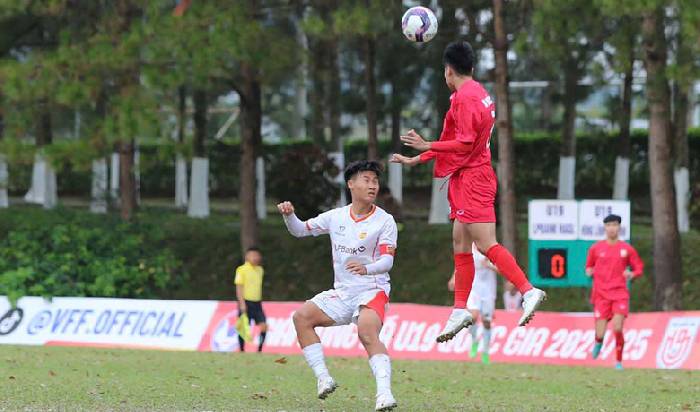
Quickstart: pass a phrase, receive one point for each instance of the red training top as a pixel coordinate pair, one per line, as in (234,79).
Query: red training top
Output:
(470,121)
(609,261)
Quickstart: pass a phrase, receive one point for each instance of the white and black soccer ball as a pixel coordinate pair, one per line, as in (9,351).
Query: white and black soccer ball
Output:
(419,24)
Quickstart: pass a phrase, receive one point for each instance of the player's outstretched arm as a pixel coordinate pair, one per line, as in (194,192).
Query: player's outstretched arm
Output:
(405,160)
(294,225)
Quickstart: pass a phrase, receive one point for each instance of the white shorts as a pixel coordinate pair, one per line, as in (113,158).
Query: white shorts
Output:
(485,306)
(346,309)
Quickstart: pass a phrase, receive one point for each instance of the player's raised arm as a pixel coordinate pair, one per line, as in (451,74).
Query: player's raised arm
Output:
(298,228)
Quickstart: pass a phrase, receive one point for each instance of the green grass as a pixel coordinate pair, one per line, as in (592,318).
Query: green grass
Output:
(38,378)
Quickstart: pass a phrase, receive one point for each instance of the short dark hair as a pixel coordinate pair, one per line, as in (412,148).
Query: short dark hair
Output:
(253,249)
(362,166)
(460,56)
(612,218)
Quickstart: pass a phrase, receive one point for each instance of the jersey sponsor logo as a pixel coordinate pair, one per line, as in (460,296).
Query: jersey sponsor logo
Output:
(349,250)
(623,253)
(487,101)
(677,342)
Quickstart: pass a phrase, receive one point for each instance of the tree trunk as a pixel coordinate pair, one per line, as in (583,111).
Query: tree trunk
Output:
(446,34)
(371,88)
(621,185)
(199,97)
(4,175)
(251,119)
(199,176)
(300,102)
(395,116)
(681,115)
(181,198)
(44,132)
(333,90)
(318,60)
(506,151)
(681,175)
(567,159)
(127,179)
(666,239)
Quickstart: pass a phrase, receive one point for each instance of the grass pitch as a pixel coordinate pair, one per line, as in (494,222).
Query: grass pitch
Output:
(41,378)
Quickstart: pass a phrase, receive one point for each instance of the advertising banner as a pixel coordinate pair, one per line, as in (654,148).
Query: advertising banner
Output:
(652,340)
(133,323)
(668,340)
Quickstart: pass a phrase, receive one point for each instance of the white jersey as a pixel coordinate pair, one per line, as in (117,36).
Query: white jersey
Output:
(484,277)
(362,240)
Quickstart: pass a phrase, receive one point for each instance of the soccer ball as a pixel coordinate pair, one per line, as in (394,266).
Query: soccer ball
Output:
(419,24)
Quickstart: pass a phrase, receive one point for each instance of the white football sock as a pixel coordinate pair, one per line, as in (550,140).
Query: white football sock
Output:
(314,357)
(381,368)
(486,339)
(473,330)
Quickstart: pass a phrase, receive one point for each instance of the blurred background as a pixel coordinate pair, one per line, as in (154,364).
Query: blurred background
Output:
(144,144)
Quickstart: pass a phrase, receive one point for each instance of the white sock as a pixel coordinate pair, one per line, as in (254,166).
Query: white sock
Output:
(486,338)
(381,368)
(314,357)
(473,330)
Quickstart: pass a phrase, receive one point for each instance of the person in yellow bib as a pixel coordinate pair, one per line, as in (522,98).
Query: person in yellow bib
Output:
(249,278)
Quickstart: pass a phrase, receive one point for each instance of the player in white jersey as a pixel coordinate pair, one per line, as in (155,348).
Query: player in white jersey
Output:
(481,302)
(363,241)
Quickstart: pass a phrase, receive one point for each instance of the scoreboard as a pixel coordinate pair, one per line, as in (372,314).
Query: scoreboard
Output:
(560,233)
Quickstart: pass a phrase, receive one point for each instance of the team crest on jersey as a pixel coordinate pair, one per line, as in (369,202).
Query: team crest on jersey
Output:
(677,342)
(623,253)
(362,235)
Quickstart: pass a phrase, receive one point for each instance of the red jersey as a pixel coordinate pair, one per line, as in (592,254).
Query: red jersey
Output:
(609,263)
(470,119)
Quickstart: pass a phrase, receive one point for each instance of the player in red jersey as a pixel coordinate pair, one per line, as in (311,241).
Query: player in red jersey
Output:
(608,261)
(463,153)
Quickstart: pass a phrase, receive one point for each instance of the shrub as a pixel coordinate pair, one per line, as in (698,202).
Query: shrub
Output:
(60,254)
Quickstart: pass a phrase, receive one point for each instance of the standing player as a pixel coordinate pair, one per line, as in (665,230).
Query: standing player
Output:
(249,279)
(608,262)
(481,302)
(363,241)
(463,153)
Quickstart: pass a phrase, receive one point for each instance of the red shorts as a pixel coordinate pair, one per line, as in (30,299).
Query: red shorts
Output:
(606,308)
(472,194)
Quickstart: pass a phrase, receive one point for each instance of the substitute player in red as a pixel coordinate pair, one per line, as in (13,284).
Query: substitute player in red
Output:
(608,262)
(463,153)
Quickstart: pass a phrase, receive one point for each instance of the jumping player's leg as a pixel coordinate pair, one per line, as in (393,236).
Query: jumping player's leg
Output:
(305,320)
(464,263)
(484,235)
(369,324)
(460,317)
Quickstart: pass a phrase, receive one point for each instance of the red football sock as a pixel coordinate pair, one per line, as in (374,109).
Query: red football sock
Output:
(598,340)
(464,277)
(508,267)
(619,345)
